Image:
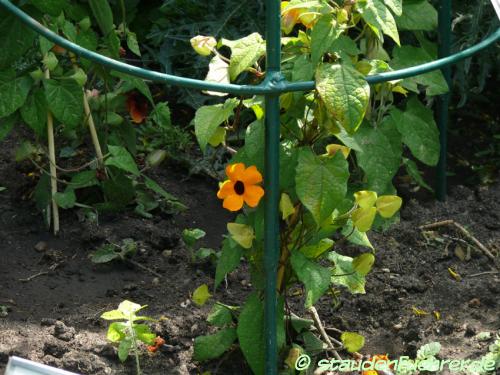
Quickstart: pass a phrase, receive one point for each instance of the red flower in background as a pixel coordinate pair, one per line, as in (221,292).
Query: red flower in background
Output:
(137,106)
(158,342)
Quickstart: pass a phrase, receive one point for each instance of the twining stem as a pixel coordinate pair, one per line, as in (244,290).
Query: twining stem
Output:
(90,120)
(285,253)
(53,168)
(92,129)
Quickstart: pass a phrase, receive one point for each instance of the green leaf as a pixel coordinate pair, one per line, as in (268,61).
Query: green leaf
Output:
(242,234)
(417,15)
(345,93)
(65,100)
(355,236)
(302,69)
(380,155)
(213,346)
(65,200)
(229,259)
(144,334)
(395,5)
(113,315)
(407,56)
(34,112)
(105,254)
(119,191)
(251,333)
(345,274)
(378,17)
(201,295)
(116,330)
(103,15)
(132,43)
(352,341)
(254,144)
(220,315)
(84,179)
(363,263)
(323,34)
(190,236)
(15,41)
(314,251)
(161,115)
(419,131)
(14,93)
(124,347)
(132,82)
(6,125)
(321,183)
(316,278)
(245,52)
(414,173)
(344,44)
(69,30)
(363,218)
(52,7)
(121,158)
(208,119)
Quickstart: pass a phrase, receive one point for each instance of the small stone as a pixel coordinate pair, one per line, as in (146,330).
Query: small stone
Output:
(470,330)
(398,326)
(166,253)
(41,246)
(47,322)
(155,281)
(244,282)
(475,302)
(385,270)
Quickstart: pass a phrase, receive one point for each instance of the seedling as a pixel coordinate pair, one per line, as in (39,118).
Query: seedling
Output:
(123,252)
(128,333)
(190,237)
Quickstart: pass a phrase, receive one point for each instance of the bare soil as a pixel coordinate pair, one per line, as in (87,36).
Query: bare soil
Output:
(54,317)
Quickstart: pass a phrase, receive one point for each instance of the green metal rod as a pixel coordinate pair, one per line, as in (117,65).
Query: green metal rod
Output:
(443,101)
(268,86)
(271,183)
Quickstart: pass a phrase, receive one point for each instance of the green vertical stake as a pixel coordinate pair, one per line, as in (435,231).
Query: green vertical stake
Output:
(271,182)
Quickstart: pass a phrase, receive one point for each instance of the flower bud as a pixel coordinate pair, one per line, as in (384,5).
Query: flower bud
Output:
(203,45)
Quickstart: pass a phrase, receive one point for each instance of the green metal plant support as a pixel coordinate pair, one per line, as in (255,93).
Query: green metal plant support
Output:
(273,85)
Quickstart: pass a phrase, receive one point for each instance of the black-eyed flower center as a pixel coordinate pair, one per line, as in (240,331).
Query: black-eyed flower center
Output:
(239,187)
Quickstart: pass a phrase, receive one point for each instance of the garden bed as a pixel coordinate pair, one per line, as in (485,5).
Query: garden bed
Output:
(54,317)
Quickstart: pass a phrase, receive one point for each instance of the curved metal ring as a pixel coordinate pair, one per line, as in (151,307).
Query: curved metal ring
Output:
(264,88)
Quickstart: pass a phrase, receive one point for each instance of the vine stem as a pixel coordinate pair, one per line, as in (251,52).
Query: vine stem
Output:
(92,129)
(53,168)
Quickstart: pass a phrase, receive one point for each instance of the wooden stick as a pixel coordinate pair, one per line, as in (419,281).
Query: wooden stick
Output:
(319,326)
(53,169)
(92,129)
(464,231)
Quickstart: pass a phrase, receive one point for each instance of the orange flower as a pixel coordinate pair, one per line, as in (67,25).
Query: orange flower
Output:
(137,106)
(157,344)
(379,359)
(241,187)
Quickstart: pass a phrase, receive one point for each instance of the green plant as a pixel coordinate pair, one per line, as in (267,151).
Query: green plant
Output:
(341,145)
(127,333)
(66,101)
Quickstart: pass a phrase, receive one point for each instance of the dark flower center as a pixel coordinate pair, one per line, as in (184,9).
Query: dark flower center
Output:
(239,187)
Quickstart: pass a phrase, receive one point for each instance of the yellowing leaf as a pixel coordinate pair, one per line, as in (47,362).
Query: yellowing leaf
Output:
(352,341)
(201,295)
(332,149)
(365,198)
(218,137)
(437,314)
(203,45)
(292,357)
(363,263)
(363,218)
(218,71)
(455,275)
(286,206)
(242,234)
(419,312)
(388,205)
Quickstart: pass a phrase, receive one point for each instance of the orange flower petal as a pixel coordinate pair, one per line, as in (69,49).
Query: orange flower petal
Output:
(225,189)
(235,171)
(370,372)
(252,195)
(233,202)
(251,176)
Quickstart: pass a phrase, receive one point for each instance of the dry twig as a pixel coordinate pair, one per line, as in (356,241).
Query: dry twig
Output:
(319,326)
